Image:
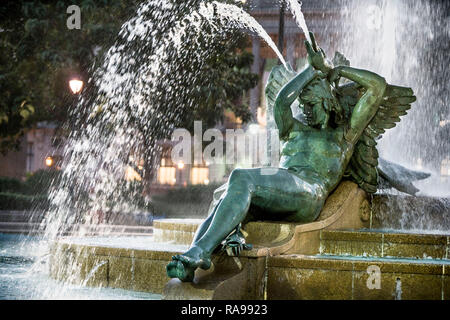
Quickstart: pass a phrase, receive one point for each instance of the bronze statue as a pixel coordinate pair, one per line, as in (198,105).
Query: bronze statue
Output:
(335,139)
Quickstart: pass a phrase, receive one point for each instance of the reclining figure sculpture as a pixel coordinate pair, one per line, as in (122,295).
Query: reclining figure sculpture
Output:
(336,139)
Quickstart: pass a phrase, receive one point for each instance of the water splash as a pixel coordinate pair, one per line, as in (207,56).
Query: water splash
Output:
(93,271)
(126,116)
(296,9)
(236,14)
(405,42)
(398,289)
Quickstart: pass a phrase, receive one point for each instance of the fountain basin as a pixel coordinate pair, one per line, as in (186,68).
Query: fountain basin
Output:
(288,261)
(339,269)
(134,263)
(385,244)
(348,278)
(176,231)
(139,263)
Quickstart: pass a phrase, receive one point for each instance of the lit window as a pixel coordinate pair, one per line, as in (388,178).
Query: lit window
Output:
(166,175)
(30,156)
(199,175)
(132,175)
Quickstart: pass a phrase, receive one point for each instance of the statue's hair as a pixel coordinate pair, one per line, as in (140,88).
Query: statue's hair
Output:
(319,93)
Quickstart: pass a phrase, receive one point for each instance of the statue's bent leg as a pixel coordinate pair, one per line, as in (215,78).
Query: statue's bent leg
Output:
(282,193)
(233,204)
(219,193)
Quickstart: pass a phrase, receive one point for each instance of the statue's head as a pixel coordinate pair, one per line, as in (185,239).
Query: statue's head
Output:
(320,105)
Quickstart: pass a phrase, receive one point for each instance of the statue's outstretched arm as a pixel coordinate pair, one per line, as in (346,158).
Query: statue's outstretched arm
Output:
(368,104)
(282,108)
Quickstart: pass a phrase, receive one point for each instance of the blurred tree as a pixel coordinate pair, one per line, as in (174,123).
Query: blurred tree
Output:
(39,54)
(226,77)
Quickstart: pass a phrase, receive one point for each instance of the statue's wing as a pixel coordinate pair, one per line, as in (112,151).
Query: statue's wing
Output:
(340,60)
(278,77)
(363,164)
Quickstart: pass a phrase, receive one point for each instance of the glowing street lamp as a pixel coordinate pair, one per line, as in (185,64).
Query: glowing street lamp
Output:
(49,161)
(180,165)
(76,85)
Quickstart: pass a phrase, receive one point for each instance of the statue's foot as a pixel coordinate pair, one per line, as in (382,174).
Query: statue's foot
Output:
(176,269)
(184,265)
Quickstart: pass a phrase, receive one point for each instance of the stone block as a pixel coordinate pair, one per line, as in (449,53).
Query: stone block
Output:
(231,279)
(306,243)
(400,266)
(78,265)
(415,246)
(121,272)
(90,270)
(446,287)
(308,284)
(378,244)
(150,275)
(352,248)
(398,286)
(418,251)
(309,262)
(260,233)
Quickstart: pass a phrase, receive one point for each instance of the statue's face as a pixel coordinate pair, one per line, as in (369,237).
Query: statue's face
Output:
(318,101)
(315,114)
